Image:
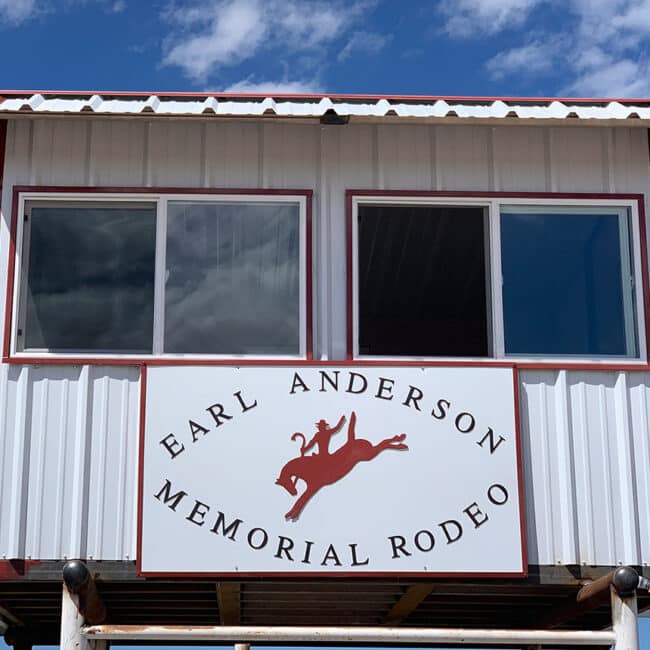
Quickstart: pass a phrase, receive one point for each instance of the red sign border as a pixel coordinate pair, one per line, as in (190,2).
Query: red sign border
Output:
(324,575)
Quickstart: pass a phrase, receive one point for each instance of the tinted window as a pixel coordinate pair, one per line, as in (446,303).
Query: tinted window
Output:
(90,278)
(567,282)
(233,284)
(422,281)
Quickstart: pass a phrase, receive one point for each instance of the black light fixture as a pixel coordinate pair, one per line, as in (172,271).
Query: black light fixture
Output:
(331,117)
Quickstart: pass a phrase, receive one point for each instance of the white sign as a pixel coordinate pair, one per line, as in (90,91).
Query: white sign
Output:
(324,470)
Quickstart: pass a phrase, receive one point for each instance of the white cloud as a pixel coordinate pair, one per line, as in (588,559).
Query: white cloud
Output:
(234,30)
(590,58)
(184,16)
(208,36)
(364,42)
(17,11)
(635,17)
(540,56)
(623,78)
(599,45)
(312,24)
(465,18)
(275,87)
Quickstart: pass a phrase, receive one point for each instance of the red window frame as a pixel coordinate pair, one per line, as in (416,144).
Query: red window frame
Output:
(135,360)
(643,333)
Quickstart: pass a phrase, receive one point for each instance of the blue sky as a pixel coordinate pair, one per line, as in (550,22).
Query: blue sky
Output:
(588,48)
(440,47)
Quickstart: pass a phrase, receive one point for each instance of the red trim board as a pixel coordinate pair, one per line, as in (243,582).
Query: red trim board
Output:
(6,94)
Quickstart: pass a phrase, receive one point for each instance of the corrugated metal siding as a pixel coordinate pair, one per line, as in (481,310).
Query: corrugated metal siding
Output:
(585,434)
(327,159)
(586,449)
(69,446)
(69,464)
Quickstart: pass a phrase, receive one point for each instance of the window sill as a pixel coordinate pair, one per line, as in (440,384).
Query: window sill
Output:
(150,360)
(521,363)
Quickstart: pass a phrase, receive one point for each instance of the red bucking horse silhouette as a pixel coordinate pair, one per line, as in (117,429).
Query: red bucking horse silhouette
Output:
(324,468)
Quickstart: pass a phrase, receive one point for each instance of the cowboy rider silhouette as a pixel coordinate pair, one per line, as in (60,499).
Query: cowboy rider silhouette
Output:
(322,437)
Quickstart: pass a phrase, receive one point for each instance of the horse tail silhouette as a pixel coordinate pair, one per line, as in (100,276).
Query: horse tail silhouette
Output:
(295,437)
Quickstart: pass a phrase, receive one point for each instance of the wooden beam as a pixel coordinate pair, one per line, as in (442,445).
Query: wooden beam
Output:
(228,598)
(408,603)
(8,616)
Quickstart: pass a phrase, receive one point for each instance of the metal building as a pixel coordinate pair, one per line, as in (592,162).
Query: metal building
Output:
(480,263)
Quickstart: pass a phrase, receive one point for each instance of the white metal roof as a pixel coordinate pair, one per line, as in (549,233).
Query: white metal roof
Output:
(317,106)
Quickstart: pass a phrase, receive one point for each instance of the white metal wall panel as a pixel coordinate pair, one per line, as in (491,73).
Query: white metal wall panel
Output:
(58,148)
(585,441)
(14,463)
(69,461)
(404,157)
(175,154)
(53,439)
(19,150)
(639,392)
(346,163)
(577,160)
(543,431)
(352,159)
(463,157)
(297,147)
(116,153)
(68,442)
(113,421)
(521,159)
(232,155)
(629,161)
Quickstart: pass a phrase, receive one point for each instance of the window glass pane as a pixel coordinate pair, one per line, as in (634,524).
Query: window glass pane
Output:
(567,286)
(90,278)
(422,281)
(233,278)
